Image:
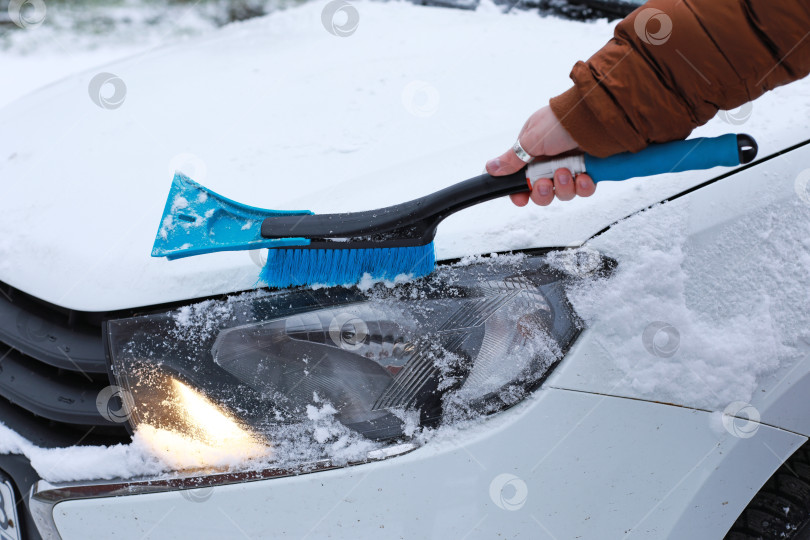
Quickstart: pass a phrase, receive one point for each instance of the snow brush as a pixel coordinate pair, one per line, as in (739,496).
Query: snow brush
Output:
(339,249)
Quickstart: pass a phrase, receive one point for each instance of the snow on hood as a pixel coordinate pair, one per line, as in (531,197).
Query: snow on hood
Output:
(279,113)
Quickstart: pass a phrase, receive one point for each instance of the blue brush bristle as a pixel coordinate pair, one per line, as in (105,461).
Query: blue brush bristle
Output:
(287,267)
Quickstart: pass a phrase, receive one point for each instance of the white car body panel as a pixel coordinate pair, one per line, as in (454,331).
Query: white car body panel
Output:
(714,212)
(302,120)
(593,467)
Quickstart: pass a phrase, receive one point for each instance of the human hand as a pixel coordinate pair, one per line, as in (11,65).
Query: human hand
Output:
(543,135)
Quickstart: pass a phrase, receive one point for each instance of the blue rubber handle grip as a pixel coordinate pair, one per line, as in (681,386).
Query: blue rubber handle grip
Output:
(676,156)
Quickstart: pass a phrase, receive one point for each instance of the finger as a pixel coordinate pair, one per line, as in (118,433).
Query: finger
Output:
(585,185)
(506,163)
(543,192)
(564,187)
(520,199)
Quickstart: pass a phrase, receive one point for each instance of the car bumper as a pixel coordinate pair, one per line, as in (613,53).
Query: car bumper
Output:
(562,464)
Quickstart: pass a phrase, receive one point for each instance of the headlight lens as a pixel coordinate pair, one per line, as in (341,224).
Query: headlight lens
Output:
(470,339)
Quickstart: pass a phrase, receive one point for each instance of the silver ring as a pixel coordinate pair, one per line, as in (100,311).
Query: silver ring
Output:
(522,154)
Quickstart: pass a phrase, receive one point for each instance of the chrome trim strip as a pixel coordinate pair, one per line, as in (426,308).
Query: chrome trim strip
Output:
(42,514)
(45,495)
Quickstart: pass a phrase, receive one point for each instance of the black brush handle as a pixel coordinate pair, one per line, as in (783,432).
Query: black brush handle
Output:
(428,211)
(416,220)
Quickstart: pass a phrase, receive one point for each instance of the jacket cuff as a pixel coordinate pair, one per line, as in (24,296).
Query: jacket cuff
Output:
(578,120)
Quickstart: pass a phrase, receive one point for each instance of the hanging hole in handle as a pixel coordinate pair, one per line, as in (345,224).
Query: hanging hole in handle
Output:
(747,148)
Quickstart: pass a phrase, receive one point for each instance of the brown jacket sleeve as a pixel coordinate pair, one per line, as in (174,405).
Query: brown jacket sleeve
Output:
(673,63)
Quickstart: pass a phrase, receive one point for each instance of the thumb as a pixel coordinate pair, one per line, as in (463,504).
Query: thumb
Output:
(506,163)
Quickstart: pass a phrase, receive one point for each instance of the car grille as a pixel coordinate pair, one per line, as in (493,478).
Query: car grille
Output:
(52,368)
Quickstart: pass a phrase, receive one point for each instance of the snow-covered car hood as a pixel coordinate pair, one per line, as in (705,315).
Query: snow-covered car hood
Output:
(280,113)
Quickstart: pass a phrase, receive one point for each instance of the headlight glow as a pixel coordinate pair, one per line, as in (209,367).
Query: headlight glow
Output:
(209,424)
(198,433)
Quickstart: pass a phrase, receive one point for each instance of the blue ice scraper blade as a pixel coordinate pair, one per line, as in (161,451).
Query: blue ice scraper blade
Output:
(196,220)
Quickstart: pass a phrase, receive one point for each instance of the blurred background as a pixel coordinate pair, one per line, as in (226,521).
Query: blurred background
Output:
(44,40)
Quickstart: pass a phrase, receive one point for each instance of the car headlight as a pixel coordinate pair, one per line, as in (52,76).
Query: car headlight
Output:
(473,338)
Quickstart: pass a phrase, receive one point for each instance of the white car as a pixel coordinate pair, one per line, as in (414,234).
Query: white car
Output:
(632,365)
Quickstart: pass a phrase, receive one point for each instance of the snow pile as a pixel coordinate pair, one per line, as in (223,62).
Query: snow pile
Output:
(678,325)
(84,462)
